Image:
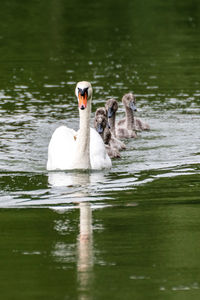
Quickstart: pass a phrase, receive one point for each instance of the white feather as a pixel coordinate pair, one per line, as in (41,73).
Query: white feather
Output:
(63,146)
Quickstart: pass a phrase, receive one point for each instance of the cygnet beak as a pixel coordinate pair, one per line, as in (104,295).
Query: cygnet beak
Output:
(110,112)
(108,125)
(133,106)
(99,128)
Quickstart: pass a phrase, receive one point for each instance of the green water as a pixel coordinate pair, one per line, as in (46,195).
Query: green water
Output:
(131,232)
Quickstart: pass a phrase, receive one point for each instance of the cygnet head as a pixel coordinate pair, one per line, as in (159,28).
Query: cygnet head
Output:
(101,111)
(100,123)
(129,101)
(111,107)
(83,93)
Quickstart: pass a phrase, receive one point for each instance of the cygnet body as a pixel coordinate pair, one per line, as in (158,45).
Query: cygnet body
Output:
(112,107)
(127,127)
(101,126)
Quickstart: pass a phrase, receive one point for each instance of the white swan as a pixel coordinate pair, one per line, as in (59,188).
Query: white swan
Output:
(83,149)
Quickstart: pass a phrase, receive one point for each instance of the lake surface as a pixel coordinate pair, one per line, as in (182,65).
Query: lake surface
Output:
(132,232)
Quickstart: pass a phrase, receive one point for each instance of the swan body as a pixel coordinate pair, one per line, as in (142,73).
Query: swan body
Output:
(83,149)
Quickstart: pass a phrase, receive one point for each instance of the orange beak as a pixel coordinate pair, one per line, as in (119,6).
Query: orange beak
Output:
(82,100)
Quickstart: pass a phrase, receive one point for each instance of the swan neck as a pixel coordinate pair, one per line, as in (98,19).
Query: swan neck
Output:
(82,157)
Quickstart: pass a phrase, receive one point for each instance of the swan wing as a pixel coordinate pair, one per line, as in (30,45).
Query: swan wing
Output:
(99,158)
(61,149)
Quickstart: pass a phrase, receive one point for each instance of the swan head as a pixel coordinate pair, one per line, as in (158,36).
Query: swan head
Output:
(83,93)
(129,101)
(111,107)
(100,123)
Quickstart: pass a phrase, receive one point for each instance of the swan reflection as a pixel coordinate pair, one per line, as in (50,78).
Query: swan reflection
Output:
(68,179)
(64,253)
(76,185)
(85,251)
(81,184)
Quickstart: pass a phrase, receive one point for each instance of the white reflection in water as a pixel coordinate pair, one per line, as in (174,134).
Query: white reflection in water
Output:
(68,179)
(85,251)
(78,185)
(64,253)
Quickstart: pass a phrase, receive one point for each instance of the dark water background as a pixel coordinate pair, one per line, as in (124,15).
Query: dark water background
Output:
(132,232)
